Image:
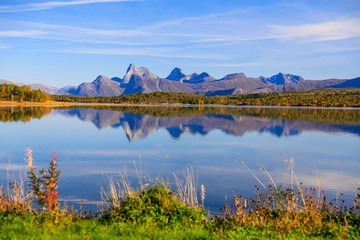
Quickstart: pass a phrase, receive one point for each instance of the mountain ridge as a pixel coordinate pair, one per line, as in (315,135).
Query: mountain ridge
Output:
(142,80)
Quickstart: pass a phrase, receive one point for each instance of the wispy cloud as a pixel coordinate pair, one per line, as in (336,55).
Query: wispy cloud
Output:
(17,33)
(244,64)
(219,18)
(216,28)
(54,4)
(154,52)
(330,30)
(128,37)
(4,46)
(222,36)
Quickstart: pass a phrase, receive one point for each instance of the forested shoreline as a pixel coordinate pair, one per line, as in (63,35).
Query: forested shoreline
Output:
(12,92)
(329,97)
(348,97)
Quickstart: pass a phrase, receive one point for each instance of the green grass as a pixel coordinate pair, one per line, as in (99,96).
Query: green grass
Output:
(36,227)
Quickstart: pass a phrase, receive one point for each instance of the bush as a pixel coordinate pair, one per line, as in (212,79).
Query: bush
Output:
(156,205)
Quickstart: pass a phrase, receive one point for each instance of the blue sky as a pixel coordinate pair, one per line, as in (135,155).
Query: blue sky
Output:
(68,42)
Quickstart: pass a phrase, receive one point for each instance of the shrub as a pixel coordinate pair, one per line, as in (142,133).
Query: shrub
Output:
(156,205)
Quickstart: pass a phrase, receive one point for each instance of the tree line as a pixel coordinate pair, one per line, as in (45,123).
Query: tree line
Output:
(349,97)
(12,92)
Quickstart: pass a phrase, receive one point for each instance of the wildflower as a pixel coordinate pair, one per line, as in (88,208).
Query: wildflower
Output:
(206,220)
(232,223)
(84,236)
(221,231)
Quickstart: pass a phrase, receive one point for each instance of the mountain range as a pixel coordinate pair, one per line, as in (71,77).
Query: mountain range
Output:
(142,80)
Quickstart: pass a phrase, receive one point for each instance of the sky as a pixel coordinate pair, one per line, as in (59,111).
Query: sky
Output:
(61,43)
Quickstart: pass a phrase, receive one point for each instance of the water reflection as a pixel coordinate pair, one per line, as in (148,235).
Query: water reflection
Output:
(91,142)
(237,122)
(15,114)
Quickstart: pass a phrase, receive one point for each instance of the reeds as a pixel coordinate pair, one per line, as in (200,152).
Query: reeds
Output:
(290,207)
(118,189)
(187,189)
(115,190)
(15,197)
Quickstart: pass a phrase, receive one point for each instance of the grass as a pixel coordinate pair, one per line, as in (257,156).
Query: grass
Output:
(155,211)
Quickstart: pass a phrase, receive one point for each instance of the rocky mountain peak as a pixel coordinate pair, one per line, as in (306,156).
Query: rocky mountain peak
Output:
(176,75)
(204,74)
(140,71)
(234,76)
(131,66)
(101,79)
(282,78)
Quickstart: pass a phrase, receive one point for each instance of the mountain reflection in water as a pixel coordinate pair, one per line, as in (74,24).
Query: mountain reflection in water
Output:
(141,126)
(90,143)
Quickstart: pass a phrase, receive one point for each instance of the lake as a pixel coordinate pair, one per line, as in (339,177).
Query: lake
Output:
(95,143)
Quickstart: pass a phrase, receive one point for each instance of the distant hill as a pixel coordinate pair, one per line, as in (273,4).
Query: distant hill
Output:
(142,80)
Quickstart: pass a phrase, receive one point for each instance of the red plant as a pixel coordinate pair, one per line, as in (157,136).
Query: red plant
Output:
(44,185)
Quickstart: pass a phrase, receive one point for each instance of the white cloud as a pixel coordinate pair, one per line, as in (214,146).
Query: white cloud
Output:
(330,30)
(128,37)
(244,64)
(16,33)
(219,28)
(222,36)
(335,49)
(205,19)
(154,52)
(54,4)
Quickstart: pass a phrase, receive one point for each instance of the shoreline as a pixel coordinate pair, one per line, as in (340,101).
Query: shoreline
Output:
(67,104)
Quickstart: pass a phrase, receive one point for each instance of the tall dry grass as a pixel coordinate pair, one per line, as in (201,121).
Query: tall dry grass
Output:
(15,196)
(120,188)
(116,190)
(187,188)
(290,207)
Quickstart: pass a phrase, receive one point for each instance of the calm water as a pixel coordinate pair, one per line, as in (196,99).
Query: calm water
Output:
(93,143)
